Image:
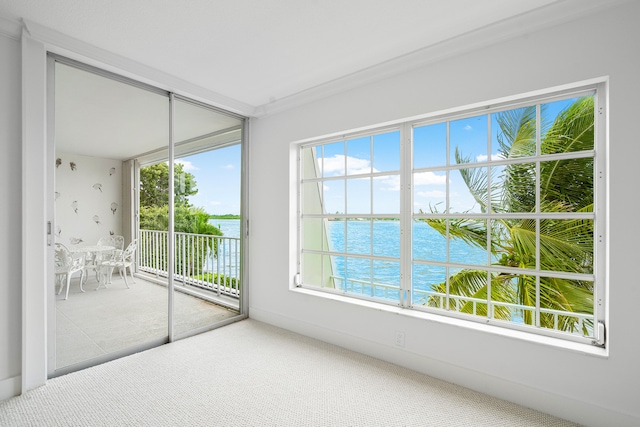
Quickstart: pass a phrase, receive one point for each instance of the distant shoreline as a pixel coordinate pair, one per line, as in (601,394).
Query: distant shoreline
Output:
(226,216)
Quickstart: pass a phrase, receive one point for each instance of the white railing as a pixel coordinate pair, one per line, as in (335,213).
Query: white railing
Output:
(582,321)
(204,261)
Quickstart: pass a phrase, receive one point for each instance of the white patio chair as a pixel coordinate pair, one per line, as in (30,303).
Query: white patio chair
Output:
(94,261)
(122,260)
(65,266)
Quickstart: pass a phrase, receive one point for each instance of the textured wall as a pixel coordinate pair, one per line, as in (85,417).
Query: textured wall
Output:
(88,198)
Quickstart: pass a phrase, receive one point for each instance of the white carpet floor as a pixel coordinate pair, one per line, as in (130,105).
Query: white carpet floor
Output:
(253,374)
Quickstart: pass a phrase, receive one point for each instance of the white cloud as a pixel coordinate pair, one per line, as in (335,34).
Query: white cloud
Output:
(429,178)
(229,166)
(215,203)
(336,165)
(187,165)
(468,127)
(484,157)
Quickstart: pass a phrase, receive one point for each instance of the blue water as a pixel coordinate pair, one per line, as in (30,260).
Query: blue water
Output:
(382,238)
(230,227)
(228,260)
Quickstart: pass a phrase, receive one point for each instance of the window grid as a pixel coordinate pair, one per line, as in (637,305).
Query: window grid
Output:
(407,217)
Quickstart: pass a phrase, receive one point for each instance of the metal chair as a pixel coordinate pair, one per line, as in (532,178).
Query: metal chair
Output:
(122,260)
(66,265)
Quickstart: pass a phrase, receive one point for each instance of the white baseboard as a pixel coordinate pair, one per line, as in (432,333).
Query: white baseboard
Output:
(584,413)
(10,387)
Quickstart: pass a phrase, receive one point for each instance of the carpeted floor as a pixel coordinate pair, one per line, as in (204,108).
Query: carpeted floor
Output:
(253,374)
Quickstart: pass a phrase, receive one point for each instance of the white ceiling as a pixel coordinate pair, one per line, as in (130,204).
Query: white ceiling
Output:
(259,52)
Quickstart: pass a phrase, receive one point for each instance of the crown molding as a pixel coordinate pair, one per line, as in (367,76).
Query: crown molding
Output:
(78,50)
(10,28)
(538,19)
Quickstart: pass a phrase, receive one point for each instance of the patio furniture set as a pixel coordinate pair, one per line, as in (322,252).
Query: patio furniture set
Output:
(108,254)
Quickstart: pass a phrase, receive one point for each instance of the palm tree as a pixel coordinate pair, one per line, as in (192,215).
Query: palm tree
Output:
(566,245)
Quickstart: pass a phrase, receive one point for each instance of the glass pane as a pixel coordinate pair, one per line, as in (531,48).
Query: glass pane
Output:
(333,159)
(567,305)
(514,188)
(312,233)
(358,276)
(514,298)
(311,158)
(359,196)
(207,259)
(513,133)
(336,230)
(99,125)
(468,190)
(359,237)
(429,286)
(468,291)
(566,185)
(312,198)
(386,152)
(386,238)
(568,125)
(386,279)
(359,156)
(468,241)
(429,240)
(312,269)
(386,194)
(518,240)
(430,146)
(566,245)
(429,192)
(468,139)
(333,197)
(337,276)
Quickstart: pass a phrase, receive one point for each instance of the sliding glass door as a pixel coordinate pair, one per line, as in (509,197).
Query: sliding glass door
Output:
(139,175)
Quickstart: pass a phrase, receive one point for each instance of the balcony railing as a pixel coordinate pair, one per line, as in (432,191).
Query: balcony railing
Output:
(203,261)
(581,321)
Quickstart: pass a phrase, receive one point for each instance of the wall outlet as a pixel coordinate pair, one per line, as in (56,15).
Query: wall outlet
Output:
(400,338)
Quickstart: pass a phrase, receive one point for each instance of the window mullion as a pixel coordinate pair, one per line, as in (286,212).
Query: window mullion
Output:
(406,214)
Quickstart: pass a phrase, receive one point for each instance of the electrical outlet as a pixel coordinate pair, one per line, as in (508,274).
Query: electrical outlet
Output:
(400,338)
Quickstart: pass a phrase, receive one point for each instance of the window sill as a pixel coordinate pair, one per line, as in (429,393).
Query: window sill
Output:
(572,346)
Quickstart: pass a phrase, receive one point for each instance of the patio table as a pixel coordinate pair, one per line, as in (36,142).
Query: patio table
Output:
(94,250)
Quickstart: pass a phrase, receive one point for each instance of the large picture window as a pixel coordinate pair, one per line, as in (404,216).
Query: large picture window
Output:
(488,214)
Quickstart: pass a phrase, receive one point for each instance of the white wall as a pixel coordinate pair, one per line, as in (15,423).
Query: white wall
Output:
(585,388)
(10,217)
(84,198)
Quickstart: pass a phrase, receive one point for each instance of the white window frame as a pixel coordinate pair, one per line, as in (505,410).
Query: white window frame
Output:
(597,87)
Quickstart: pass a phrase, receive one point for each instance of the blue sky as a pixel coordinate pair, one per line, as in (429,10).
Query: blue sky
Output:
(217,174)
(355,156)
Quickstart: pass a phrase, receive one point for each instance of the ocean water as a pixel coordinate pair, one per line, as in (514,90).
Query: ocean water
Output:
(382,238)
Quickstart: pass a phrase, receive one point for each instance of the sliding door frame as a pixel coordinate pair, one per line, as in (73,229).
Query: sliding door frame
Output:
(49,158)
